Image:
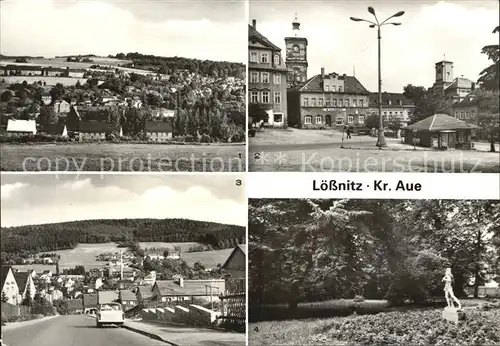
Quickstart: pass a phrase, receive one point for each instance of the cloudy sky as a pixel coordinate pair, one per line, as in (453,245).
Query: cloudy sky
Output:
(189,28)
(36,199)
(429,30)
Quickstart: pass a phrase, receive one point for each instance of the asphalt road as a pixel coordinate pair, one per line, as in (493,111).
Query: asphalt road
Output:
(74,330)
(363,141)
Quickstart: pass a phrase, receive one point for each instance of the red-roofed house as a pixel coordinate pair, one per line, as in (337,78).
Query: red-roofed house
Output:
(440,131)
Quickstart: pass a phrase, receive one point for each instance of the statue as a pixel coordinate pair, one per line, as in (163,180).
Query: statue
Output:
(448,290)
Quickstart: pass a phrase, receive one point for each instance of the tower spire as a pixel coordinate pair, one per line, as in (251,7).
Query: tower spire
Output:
(295,25)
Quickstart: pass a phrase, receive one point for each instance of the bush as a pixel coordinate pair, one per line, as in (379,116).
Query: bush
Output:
(205,138)
(359,299)
(189,139)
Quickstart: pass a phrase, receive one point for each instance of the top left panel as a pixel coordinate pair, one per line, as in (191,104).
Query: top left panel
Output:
(127,86)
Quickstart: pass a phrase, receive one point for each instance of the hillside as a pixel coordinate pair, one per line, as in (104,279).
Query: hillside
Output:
(66,235)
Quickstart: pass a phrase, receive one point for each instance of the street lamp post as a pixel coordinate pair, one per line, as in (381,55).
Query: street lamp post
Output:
(381,138)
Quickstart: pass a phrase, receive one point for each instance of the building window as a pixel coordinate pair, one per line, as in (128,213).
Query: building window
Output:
(253,57)
(461,115)
(264,58)
(361,119)
(327,87)
(277,97)
(466,114)
(340,120)
(334,102)
(277,78)
(278,118)
(305,102)
(340,88)
(327,101)
(340,103)
(354,103)
(384,113)
(265,97)
(346,103)
(313,102)
(254,77)
(265,77)
(389,102)
(361,102)
(473,114)
(320,102)
(254,96)
(276,59)
(400,102)
(308,120)
(350,119)
(390,113)
(456,114)
(319,119)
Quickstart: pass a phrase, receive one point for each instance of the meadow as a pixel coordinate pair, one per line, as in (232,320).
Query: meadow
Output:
(412,327)
(122,157)
(171,246)
(209,259)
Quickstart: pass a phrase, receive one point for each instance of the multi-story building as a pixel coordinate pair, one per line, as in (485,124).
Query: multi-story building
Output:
(333,100)
(10,289)
(395,108)
(267,77)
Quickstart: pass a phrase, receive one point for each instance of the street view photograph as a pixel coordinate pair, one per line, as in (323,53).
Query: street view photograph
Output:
(123,86)
(381,86)
(123,260)
(373,272)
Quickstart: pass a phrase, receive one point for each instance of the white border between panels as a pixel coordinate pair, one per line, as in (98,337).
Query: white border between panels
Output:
(367,185)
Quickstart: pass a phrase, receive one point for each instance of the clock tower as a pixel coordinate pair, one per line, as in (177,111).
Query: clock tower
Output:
(296,57)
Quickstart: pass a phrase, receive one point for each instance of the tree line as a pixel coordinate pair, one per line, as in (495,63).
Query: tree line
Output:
(25,240)
(169,65)
(315,250)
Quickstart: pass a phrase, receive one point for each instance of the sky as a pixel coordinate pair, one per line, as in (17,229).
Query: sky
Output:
(429,30)
(29,199)
(189,28)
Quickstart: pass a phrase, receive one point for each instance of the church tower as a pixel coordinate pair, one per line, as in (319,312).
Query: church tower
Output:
(296,56)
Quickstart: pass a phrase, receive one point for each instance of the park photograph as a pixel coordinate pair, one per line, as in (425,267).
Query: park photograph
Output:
(373,272)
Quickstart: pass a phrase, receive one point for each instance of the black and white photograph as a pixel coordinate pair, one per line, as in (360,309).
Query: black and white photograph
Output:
(373,272)
(380,86)
(161,256)
(106,85)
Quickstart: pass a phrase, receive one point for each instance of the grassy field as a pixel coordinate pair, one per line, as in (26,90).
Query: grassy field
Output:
(122,157)
(413,327)
(162,245)
(209,259)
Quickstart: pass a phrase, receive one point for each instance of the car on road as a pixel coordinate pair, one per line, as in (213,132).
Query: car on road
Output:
(111,314)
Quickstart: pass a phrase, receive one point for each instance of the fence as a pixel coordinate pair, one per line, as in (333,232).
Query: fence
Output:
(9,310)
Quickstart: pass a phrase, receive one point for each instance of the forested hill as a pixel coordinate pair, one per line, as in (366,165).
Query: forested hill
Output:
(66,235)
(170,65)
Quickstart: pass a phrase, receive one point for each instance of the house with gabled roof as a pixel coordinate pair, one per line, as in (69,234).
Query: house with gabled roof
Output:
(235,264)
(440,131)
(180,289)
(97,130)
(26,285)
(159,130)
(332,101)
(9,286)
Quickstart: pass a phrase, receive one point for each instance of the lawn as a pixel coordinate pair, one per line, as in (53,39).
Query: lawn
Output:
(413,327)
(209,259)
(122,157)
(163,245)
(336,159)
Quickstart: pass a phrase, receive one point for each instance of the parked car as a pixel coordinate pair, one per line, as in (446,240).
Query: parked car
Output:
(111,314)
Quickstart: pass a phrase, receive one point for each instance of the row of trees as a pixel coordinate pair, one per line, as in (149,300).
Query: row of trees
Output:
(314,250)
(167,270)
(20,242)
(169,65)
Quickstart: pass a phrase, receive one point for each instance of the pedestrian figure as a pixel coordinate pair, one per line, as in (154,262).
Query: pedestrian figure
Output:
(348,132)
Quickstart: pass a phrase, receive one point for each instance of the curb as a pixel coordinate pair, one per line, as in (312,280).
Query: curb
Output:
(150,335)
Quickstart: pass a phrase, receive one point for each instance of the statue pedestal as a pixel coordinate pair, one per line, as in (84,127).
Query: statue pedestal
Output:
(453,314)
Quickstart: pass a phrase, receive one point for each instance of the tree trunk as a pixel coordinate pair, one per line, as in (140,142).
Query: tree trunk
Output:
(492,143)
(477,277)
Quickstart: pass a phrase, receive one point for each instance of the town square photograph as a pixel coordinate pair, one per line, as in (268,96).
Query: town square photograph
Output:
(161,256)
(381,86)
(373,272)
(123,86)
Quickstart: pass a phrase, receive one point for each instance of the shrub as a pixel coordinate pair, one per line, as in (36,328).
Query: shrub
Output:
(205,138)
(189,139)
(359,299)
